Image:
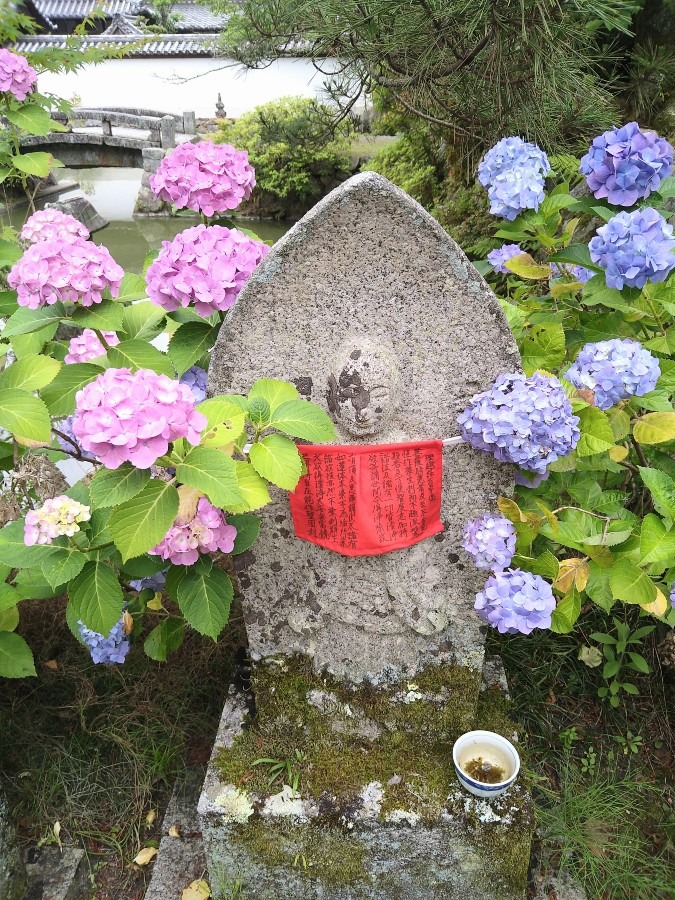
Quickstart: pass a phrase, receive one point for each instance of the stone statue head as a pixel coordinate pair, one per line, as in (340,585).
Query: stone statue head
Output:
(363,386)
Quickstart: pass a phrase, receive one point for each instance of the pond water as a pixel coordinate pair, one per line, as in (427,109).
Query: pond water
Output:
(113,191)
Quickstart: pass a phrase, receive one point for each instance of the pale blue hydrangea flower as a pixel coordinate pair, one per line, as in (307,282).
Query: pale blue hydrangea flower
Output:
(195,378)
(515,602)
(525,421)
(530,479)
(672,595)
(614,370)
(65,426)
(626,164)
(106,650)
(634,248)
(490,541)
(578,273)
(154,582)
(513,171)
(502,255)
(511,153)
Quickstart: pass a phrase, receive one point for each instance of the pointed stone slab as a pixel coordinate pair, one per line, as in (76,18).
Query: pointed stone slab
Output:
(375,314)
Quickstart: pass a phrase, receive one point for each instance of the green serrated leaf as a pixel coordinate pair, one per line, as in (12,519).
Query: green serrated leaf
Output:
(38,163)
(27,344)
(189,343)
(656,542)
(105,316)
(30,118)
(253,489)
(277,459)
(630,584)
(212,472)
(132,288)
(143,321)
(248,529)
(596,432)
(576,254)
(109,487)
(566,613)
(97,597)
(303,419)
(62,564)
(655,428)
(30,373)
(204,599)
(25,320)
(543,347)
(60,394)
(274,391)
(25,416)
(13,550)
(137,355)
(164,639)
(139,524)
(16,659)
(662,489)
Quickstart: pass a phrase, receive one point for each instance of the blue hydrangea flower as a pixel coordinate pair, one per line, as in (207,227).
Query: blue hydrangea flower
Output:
(502,255)
(626,164)
(530,479)
(154,582)
(195,378)
(515,602)
(513,171)
(65,426)
(106,650)
(578,273)
(490,541)
(634,248)
(614,370)
(672,595)
(525,421)
(511,153)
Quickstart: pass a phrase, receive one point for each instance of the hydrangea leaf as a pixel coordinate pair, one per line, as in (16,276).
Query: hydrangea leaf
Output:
(9,618)
(109,487)
(274,391)
(25,320)
(97,597)
(213,472)
(60,394)
(139,524)
(655,428)
(225,420)
(252,487)
(302,419)
(277,459)
(204,599)
(543,347)
(630,584)
(598,587)
(24,415)
(62,564)
(9,254)
(104,316)
(31,118)
(16,659)
(662,488)
(657,543)
(137,355)
(143,321)
(566,613)
(596,432)
(8,596)
(30,373)
(31,584)
(38,163)
(28,344)
(164,639)
(576,254)
(132,287)
(248,529)
(189,343)
(525,266)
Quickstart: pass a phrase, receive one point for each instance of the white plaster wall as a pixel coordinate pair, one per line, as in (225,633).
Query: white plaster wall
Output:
(172,85)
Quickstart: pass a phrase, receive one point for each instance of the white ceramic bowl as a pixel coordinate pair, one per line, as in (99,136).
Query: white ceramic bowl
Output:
(492,748)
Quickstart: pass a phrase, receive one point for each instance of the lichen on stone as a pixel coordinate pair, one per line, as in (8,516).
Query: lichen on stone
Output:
(235,804)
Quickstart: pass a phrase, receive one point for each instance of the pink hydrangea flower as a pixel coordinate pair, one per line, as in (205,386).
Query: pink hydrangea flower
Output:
(86,346)
(16,75)
(76,270)
(206,266)
(132,417)
(52,225)
(57,516)
(207,177)
(207,532)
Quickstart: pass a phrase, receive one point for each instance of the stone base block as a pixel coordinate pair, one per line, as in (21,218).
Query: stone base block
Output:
(392,826)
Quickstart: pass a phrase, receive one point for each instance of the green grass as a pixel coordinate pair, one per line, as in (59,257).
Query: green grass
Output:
(97,748)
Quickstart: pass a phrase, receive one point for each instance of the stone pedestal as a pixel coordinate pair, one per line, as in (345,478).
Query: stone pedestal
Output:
(376,813)
(147,203)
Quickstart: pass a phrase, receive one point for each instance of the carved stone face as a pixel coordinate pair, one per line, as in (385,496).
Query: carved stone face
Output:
(363,387)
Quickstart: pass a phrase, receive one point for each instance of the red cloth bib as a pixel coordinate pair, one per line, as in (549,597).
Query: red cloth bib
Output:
(366,500)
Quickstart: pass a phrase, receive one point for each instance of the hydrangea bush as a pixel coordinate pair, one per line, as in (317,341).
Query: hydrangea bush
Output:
(140,546)
(594,434)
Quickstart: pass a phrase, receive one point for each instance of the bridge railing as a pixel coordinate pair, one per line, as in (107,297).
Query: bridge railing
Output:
(162,126)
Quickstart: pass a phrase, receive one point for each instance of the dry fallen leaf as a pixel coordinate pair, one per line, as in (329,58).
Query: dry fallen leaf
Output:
(659,606)
(51,664)
(188,499)
(198,890)
(146,855)
(57,834)
(174,831)
(590,656)
(573,572)
(151,817)
(127,622)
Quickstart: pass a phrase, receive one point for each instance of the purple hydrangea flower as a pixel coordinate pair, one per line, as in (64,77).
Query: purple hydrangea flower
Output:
(672,595)
(206,177)
(76,270)
(491,541)
(153,582)
(513,172)
(626,164)
(16,75)
(634,248)
(497,258)
(106,650)
(204,266)
(614,370)
(531,479)
(65,426)
(207,532)
(56,517)
(578,273)
(525,421)
(516,602)
(132,417)
(52,225)
(195,378)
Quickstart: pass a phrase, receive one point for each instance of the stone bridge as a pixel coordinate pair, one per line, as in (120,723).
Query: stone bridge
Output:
(115,136)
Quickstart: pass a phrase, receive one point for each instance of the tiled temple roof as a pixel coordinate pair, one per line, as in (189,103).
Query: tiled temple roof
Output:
(152,45)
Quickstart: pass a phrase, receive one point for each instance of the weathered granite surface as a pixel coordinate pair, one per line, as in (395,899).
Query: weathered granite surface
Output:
(374,313)
(12,870)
